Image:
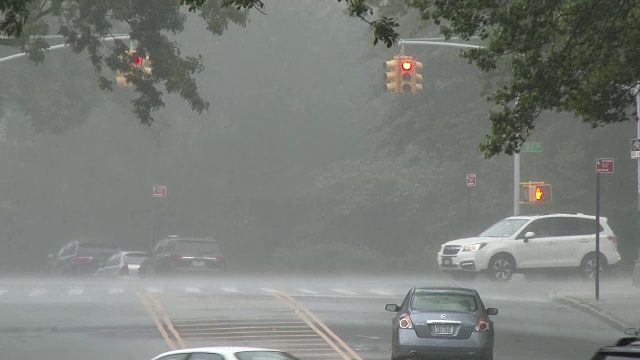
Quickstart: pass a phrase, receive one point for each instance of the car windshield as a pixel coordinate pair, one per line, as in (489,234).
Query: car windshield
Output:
(264,355)
(504,228)
(443,302)
(134,259)
(197,247)
(96,249)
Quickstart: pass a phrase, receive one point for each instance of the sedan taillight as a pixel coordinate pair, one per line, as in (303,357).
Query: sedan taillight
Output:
(482,325)
(405,322)
(81,259)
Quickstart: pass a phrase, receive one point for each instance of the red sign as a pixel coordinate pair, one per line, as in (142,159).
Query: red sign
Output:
(471,179)
(604,166)
(159,191)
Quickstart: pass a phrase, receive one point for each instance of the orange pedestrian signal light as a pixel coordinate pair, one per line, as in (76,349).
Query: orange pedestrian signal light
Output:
(536,193)
(539,193)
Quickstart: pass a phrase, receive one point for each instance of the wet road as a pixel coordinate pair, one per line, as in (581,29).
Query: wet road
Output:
(315,318)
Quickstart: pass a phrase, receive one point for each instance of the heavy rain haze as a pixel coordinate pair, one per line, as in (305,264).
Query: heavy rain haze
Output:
(301,164)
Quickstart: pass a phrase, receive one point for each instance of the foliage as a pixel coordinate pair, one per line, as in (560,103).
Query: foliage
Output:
(579,56)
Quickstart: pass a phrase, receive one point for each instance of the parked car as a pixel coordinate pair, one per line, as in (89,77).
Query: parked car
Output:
(442,322)
(532,243)
(123,263)
(81,257)
(180,255)
(225,353)
(625,348)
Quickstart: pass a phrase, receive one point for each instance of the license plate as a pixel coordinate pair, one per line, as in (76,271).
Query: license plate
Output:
(443,329)
(198,263)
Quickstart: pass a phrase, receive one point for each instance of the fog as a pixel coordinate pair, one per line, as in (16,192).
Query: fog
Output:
(301,164)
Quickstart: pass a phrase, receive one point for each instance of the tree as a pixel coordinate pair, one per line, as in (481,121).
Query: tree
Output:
(579,56)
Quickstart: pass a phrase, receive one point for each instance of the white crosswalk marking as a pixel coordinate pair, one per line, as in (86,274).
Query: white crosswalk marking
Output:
(153,290)
(113,291)
(76,292)
(38,292)
(307,291)
(343,291)
(382,292)
(192,290)
(232,290)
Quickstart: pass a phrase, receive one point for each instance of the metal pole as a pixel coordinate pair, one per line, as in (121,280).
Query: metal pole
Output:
(597,277)
(516,184)
(638,137)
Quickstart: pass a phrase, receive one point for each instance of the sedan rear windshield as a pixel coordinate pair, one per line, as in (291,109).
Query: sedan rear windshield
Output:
(96,249)
(134,259)
(443,302)
(197,247)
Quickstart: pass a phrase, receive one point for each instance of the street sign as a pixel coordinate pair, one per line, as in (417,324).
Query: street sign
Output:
(635,148)
(159,191)
(604,166)
(533,147)
(471,179)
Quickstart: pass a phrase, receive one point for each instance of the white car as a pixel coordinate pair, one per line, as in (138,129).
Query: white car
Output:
(532,243)
(225,353)
(122,264)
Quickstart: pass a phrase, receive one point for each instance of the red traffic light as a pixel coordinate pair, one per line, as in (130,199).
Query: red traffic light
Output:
(406,65)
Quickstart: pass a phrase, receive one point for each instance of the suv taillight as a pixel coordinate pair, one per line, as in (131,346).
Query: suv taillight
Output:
(81,259)
(405,322)
(482,325)
(614,240)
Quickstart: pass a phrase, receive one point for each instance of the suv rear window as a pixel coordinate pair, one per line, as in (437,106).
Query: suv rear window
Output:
(443,302)
(97,249)
(197,247)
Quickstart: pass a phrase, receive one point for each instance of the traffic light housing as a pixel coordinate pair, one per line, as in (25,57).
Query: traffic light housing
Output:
(402,75)
(136,61)
(536,193)
(391,69)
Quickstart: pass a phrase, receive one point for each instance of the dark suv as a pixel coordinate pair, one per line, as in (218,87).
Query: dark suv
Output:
(180,255)
(81,257)
(625,348)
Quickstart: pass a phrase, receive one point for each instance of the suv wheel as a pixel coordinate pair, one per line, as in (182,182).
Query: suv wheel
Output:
(501,268)
(588,266)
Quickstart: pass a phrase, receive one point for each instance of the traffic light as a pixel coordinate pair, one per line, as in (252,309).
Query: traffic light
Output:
(410,78)
(391,69)
(536,193)
(135,61)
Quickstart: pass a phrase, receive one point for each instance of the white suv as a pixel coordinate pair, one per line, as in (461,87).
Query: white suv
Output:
(532,242)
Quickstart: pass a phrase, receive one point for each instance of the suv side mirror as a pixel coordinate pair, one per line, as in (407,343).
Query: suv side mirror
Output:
(392,307)
(529,235)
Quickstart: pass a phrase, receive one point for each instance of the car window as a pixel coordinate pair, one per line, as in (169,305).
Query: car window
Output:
(544,227)
(443,302)
(205,356)
(197,247)
(134,259)
(264,355)
(96,249)
(174,357)
(159,248)
(504,228)
(114,260)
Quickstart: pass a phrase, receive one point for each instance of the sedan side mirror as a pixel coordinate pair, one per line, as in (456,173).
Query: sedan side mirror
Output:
(492,311)
(392,307)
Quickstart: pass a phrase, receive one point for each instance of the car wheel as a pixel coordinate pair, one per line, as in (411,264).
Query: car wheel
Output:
(588,266)
(501,268)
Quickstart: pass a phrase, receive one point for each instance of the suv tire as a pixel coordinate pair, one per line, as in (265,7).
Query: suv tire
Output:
(588,266)
(501,268)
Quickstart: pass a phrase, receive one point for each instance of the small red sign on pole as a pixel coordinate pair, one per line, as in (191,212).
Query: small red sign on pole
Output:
(159,191)
(604,166)
(471,179)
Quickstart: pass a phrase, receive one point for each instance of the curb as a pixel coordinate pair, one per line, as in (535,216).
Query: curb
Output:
(591,309)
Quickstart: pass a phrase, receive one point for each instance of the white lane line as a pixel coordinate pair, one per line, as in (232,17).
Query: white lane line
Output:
(113,291)
(231,290)
(153,290)
(76,292)
(343,291)
(192,290)
(38,292)
(307,291)
(382,292)
(268,290)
